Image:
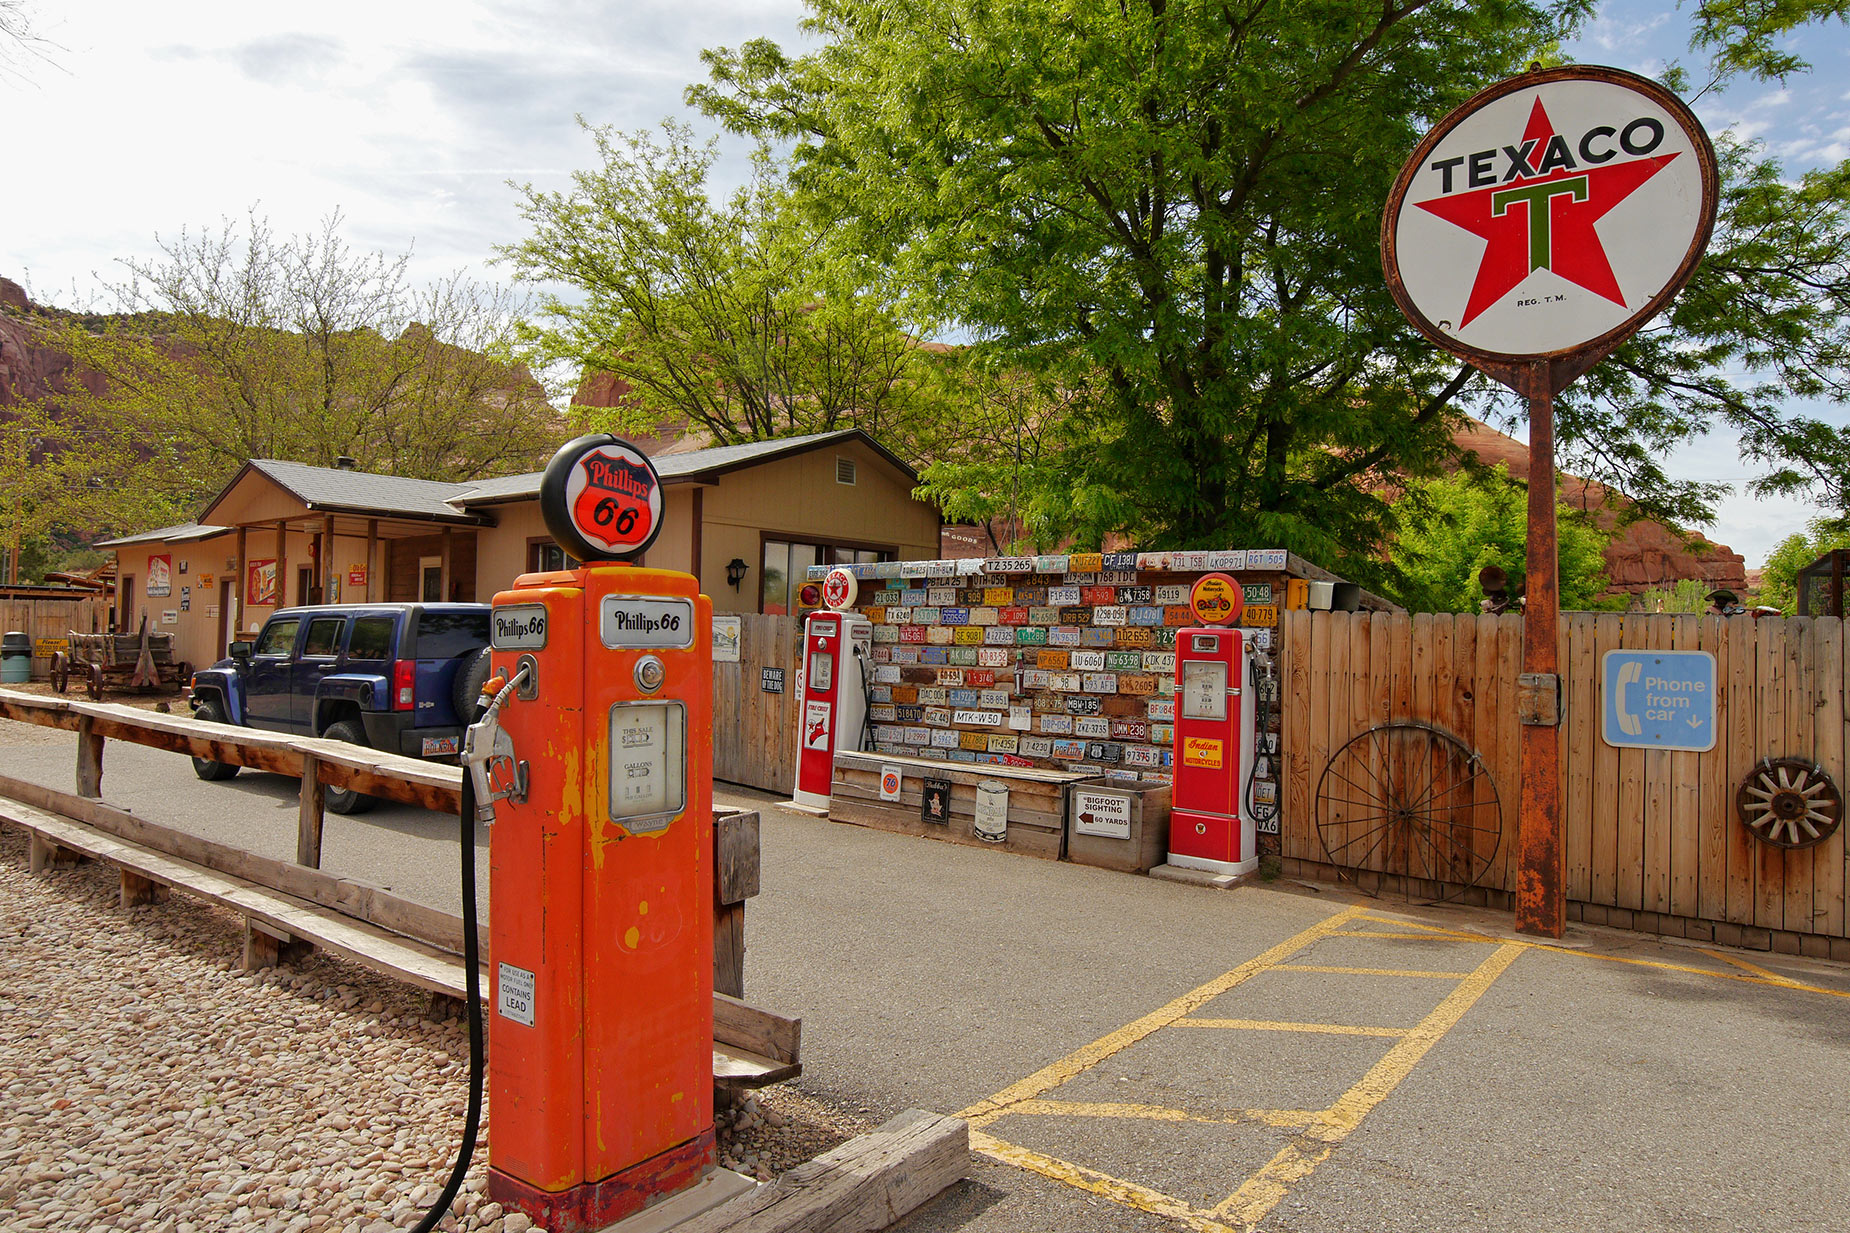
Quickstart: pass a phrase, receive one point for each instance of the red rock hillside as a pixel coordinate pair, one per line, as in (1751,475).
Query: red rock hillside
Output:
(1642,556)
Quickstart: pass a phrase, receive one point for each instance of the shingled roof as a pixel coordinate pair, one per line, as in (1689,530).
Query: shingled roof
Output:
(691,466)
(337,490)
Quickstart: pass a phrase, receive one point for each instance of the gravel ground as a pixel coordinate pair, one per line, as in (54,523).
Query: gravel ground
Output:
(146,1084)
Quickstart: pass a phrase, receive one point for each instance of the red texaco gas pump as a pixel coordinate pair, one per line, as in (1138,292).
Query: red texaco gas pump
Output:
(832,691)
(1209,825)
(601,940)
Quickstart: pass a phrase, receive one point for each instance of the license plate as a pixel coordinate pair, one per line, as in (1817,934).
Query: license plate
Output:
(436,745)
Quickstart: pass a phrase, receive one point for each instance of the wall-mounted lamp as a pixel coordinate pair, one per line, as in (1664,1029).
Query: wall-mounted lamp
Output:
(735,572)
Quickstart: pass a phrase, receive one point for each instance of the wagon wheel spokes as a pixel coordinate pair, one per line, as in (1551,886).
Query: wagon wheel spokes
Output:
(1410,800)
(1789,803)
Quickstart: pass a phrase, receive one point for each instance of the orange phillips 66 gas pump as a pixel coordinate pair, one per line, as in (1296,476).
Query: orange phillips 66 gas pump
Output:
(1209,826)
(601,941)
(832,691)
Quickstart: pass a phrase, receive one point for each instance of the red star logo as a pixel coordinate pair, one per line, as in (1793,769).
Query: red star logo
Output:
(1541,216)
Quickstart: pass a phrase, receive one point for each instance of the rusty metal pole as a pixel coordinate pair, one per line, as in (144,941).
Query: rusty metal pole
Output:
(1541,870)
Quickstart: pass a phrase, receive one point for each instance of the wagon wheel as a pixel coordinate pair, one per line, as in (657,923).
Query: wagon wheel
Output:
(1789,803)
(96,682)
(1409,802)
(60,671)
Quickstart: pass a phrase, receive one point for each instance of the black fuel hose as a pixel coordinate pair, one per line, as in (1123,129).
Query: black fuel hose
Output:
(472,984)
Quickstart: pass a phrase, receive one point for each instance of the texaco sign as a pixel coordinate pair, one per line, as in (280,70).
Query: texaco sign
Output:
(1551,214)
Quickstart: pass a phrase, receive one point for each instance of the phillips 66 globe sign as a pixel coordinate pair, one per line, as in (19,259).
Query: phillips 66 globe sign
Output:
(1551,214)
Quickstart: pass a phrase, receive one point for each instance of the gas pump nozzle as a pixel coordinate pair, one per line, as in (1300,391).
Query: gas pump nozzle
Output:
(488,755)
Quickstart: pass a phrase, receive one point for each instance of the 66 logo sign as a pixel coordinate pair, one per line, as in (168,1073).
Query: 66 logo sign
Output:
(601,499)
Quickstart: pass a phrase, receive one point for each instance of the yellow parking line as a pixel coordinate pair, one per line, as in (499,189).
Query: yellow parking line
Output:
(1262,1192)
(1432,936)
(1288,1118)
(1082,1059)
(1268,1025)
(1756,969)
(1091,1180)
(1336,971)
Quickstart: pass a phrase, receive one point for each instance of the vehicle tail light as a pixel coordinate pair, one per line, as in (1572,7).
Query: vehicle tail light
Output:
(404,682)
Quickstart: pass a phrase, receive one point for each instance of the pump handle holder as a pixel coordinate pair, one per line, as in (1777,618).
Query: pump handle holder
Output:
(488,753)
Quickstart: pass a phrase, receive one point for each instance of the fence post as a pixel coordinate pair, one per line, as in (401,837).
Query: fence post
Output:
(89,759)
(309,816)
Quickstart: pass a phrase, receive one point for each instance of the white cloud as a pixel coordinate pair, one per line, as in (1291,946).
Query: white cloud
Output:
(409,116)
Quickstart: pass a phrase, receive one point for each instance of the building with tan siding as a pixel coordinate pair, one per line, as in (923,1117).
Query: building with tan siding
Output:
(283,534)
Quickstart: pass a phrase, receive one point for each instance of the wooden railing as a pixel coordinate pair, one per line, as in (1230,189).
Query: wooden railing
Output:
(322,763)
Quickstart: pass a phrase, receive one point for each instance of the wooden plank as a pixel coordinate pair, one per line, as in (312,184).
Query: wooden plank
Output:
(1715,795)
(753,1030)
(89,758)
(1301,835)
(737,1026)
(1770,705)
(1658,795)
(1828,916)
(1629,892)
(1338,727)
(1509,742)
(1578,687)
(310,808)
(134,890)
(1743,636)
(1604,873)
(1349,696)
(735,857)
(1378,688)
(729,949)
(1801,665)
(1685,795)
(867,1183)
(1295,824)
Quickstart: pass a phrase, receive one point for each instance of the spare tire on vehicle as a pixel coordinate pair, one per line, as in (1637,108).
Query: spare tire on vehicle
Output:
(466,688)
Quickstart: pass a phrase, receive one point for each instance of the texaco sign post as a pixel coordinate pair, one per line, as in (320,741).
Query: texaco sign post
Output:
(1532,232)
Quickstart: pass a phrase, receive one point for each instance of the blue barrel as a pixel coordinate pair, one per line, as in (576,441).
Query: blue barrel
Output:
(15,658)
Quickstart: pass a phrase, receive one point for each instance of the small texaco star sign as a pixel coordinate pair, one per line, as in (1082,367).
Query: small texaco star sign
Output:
(1549,214)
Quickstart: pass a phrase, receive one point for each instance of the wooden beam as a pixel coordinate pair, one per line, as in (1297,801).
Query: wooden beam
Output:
(137,890)
(699,523)
(868,1183)
(323,566)
(282,563)
(372,551)
(238,583)
(89,758)
(310,814)
(443,571)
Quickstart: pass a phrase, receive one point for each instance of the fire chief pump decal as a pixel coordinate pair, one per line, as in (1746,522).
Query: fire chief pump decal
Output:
(1550,214)
(601,499)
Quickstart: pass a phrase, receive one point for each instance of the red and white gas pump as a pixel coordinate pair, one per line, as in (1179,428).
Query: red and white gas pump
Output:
(1210,827)
(832,690)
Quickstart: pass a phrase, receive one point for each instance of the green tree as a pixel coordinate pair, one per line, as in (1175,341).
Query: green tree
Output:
(1175,208)
(237,343)
(731,317)
(1449,528)
(1779,577)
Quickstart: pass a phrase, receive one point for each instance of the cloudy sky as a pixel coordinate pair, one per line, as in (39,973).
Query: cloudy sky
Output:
(411,116)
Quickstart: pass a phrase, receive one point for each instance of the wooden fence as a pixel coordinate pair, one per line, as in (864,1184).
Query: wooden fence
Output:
(1652,838)
(755,731)
(53,618)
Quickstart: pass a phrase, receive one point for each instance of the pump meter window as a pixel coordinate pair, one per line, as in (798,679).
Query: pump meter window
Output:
(648,764)
(821,671)
(1204,689)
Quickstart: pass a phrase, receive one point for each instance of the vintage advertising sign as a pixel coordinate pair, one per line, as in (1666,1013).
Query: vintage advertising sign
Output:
(839,588)
(1551,214)
(1216,599)
(160,576)
(601,499)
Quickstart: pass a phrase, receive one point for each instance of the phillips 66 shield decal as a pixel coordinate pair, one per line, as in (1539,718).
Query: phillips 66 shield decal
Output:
(1553,212)
(601,499)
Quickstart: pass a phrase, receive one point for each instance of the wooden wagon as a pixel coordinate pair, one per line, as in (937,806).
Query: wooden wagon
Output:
(141,660)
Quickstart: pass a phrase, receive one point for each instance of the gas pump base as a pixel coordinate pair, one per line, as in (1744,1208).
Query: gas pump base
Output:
(1206,864)
(1174,872)
(597,1205)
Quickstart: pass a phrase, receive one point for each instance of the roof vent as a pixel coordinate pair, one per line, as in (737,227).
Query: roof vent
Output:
(844,470)
(346,462)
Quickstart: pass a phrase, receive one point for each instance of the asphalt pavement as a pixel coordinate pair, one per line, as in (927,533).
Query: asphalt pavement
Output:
(1141,1055)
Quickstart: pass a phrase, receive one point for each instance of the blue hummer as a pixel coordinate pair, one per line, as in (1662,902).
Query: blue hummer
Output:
(397,677)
